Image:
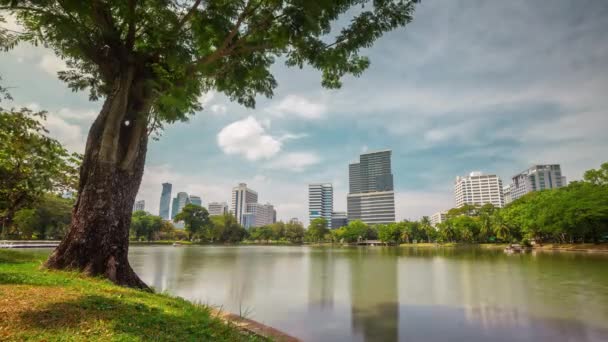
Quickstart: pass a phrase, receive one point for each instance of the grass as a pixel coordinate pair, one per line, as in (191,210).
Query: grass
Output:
(43,305)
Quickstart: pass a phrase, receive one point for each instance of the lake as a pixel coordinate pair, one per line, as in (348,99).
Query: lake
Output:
(392,293)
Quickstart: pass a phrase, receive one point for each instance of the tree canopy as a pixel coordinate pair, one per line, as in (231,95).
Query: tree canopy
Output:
(181,49)
(195,217)
(31,163)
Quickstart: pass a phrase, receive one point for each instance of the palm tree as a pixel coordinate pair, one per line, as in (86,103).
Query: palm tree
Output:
(425,223)
(502,231)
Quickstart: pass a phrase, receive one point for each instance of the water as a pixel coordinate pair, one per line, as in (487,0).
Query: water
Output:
(390,294)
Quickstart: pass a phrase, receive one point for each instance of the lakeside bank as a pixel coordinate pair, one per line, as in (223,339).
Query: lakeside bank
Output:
(550,247)
(38,304)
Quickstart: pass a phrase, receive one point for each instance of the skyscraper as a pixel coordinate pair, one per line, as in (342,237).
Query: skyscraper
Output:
(165,201)
(536,178)
(371,197)
(338,219)
(196,200)
(320,201)
(258,215)
(478,189)
(179,203)
(218,208)
(139,205)
(241,196)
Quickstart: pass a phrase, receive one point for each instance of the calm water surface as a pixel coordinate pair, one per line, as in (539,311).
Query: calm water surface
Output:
(392,294)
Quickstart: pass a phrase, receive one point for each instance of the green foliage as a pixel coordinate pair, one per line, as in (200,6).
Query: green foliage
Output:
(107,312)
(31,163)
(316,230)
(144,225)
(225,228)
(575,213)
(597,177)
(48,218)
(196,219)
(355,230)
(178,50)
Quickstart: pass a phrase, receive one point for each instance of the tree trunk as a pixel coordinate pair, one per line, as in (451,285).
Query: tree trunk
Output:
(98,240)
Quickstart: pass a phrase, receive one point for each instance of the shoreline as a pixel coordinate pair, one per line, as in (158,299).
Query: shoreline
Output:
(40,304)
(550,247)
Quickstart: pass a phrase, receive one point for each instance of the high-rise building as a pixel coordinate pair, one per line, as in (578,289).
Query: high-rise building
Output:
(241,197)
(506,192)
(258,215)
(179,203)
(536,178)
(139,205)
(196,200)
(371,197)
(438,217)
(338,219)
(218,208)
(165,201)
(478,189)
(320,201)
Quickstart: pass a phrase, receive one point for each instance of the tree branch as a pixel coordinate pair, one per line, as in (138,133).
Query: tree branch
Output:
(190,13)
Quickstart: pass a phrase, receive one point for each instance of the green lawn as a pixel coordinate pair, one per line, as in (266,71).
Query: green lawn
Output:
(42,305)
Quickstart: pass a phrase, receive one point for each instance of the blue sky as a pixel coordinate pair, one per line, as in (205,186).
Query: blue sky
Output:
(469,85)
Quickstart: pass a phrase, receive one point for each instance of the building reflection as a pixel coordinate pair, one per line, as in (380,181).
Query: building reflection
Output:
(321,279)
(374,295)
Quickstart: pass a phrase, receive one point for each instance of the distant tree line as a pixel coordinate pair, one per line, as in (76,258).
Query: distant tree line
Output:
(572,214)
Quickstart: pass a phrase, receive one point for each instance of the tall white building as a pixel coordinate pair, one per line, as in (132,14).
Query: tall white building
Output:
(241,197)
(320,201)
(371,196)
(536,178)
(438,217)
(258,215)
(478,189)
(139,205)
(218,208)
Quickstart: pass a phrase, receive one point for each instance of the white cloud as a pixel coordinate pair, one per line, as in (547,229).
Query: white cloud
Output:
(218,109)
(79,114)
(206,98)
(248,138)
(52,64)
(298,106)
(294,161)
(70,135)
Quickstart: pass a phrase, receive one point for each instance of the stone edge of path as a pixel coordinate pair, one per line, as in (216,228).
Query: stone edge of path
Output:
(253,327)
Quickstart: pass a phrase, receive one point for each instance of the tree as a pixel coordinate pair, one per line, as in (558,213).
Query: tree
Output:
(151,60)
(145,225)
(47,218)
(425,225)
(31,163)
(225,228)
(389,233)
(294,232)
(354,231)
(597,177)
(195,217)
(317,229)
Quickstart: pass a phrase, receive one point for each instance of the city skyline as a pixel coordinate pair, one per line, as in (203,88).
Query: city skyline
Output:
(449,110)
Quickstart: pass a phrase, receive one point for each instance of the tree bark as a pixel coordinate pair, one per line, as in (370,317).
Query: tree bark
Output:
(98,240)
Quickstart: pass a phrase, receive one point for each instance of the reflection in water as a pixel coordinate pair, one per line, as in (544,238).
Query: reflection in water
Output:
(321,279)
(374,296)
(390,294)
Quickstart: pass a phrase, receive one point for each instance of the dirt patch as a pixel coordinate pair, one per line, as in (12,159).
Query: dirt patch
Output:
(15,300)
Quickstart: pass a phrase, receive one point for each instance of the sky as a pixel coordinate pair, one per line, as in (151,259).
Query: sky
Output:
(494,86)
